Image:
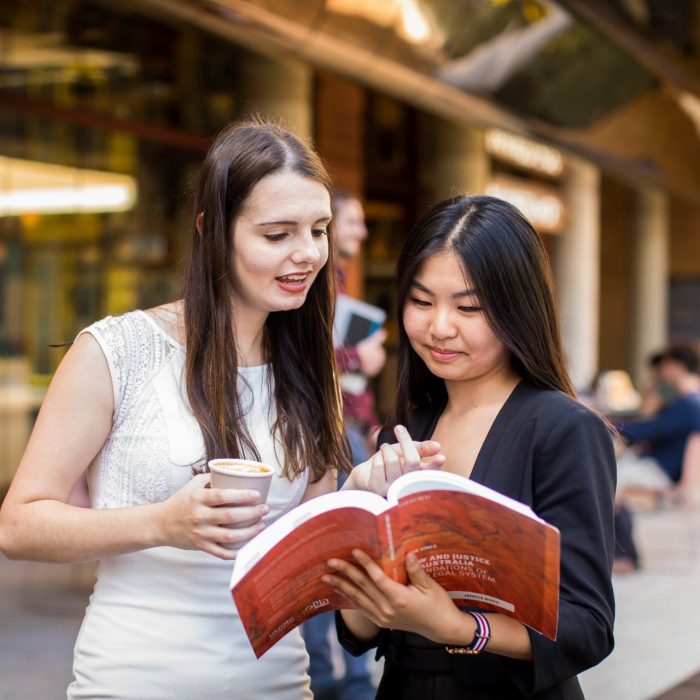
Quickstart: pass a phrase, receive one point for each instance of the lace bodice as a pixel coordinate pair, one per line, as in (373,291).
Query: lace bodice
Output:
(155,437)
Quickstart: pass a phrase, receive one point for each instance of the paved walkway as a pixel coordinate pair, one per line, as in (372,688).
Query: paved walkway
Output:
(41,607)
(657,628)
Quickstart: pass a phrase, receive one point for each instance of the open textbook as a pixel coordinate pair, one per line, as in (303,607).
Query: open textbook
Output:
(487,550)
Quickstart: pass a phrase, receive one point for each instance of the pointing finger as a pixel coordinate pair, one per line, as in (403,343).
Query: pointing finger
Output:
(411,456)
(392,464)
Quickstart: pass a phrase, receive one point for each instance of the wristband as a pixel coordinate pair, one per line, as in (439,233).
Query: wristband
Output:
(481,636)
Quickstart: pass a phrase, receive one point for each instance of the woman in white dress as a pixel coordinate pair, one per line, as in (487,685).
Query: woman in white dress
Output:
(241,366)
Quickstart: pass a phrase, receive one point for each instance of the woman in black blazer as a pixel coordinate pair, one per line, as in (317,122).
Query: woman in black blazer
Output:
(482,372)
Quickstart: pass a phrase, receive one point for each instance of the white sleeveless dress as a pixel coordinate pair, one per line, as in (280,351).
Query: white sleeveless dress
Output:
(161,623)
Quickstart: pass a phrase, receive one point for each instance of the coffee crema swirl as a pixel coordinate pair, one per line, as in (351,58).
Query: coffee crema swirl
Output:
(244,468)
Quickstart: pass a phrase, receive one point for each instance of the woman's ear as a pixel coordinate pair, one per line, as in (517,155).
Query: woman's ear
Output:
(198,221)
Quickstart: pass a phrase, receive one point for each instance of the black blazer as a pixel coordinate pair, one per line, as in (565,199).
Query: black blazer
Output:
(555,455)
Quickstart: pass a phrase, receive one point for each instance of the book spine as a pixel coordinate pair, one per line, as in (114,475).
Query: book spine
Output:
(550,613)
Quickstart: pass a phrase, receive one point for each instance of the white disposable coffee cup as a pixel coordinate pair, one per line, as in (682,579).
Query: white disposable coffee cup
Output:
(230,473)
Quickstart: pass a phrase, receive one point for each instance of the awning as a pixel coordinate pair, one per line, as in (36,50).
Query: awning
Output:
(615,82)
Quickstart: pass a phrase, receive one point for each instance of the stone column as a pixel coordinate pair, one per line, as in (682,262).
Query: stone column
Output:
(279,90)
(453,160)
(650,251)
(576,267)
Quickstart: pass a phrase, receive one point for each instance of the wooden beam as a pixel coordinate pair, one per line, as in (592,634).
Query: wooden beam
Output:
(164,136)
(259,29)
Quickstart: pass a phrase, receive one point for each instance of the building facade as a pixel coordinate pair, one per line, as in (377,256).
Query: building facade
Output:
(408,104)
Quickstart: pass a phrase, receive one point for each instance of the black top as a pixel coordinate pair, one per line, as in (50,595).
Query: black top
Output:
(552,453)
(666,434)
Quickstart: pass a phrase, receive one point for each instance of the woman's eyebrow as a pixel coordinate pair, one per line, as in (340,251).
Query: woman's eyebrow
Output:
(421,287)
(458,295)
(276,223)
(321,220)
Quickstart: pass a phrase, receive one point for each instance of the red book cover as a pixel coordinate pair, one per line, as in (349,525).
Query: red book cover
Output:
(487,550)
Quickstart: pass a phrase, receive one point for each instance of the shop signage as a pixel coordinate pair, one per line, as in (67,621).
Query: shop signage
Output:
(541,204)
(524,153)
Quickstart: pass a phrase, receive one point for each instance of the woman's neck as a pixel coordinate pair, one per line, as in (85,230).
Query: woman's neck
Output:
(170,317)
(464,396)
(248,332)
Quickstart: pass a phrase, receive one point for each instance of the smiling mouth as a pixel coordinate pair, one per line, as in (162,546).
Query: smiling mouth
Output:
(442,354)
(294,279)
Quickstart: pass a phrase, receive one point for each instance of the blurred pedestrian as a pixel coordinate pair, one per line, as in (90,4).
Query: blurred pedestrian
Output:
(357,365)
(360,363)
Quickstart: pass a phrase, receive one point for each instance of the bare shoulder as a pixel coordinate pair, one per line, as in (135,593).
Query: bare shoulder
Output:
(170,317)
(327,484)
(83,371)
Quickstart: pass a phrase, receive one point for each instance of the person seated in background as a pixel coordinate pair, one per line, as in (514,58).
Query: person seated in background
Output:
(613,395)
(656,393)
(655,459)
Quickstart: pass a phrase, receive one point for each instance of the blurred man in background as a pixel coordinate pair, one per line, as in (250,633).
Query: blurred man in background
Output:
(357,365)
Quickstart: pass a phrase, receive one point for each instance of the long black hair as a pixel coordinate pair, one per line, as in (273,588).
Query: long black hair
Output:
(509,269)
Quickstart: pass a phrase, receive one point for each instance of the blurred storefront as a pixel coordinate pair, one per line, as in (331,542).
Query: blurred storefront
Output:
(576,112)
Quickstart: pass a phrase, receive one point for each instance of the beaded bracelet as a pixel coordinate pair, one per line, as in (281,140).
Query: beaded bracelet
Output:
(481,637)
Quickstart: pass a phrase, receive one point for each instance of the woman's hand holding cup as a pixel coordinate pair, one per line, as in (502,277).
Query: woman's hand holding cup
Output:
(232,475)
(220,519)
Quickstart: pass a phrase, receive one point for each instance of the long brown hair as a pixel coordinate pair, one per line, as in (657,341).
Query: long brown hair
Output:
(297,344)
(508,266)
